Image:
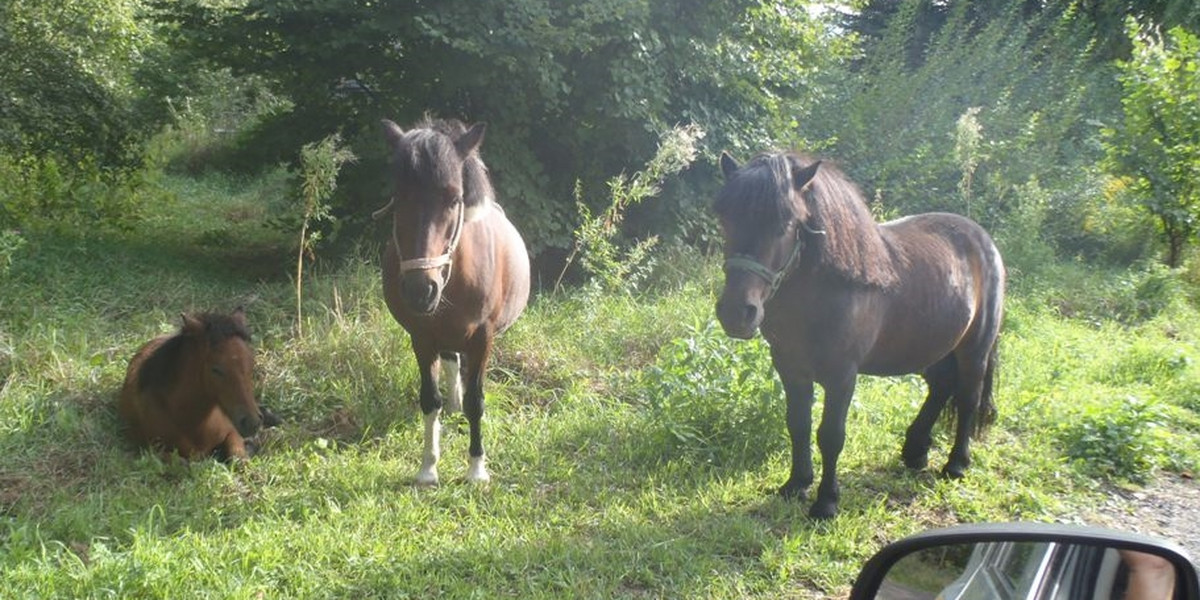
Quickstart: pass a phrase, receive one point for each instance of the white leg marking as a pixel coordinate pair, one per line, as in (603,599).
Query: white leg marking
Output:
(477,469)
(453,378)
(428,474)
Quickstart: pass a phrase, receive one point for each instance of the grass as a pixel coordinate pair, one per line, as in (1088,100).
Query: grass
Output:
(592,495)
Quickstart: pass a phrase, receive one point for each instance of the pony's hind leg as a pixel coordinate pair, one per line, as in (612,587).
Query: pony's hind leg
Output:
(453,378)
(966,399)
(942,379)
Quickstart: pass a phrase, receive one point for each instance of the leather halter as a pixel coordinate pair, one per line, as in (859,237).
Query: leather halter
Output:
(426,263)
(773,278)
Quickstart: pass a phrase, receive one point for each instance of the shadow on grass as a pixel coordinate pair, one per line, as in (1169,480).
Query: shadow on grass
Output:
(116,278)
(693,548)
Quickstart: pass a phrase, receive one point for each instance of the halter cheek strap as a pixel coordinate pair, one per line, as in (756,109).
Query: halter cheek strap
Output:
(434,262)
(773,278)
(428,262)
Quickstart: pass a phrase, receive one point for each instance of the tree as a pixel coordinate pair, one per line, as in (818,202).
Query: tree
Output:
(1156,149)
(571,89)
(72,112)
(68,72)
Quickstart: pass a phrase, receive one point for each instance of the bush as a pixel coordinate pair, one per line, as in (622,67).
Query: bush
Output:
(207,120)
(47,193)
(11,242)
(715,398)
(1083,291)
(613,268)
(1118,440)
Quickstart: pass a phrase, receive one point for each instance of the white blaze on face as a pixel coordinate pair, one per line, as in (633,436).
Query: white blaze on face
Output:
(428,474)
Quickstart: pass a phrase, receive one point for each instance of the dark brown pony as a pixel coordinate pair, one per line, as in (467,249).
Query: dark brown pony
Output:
(193,392)
(455,270)
(836,294)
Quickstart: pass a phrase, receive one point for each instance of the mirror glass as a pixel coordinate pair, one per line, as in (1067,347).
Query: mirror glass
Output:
(1028,571)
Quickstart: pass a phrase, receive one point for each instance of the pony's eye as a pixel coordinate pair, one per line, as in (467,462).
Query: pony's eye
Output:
(218,371)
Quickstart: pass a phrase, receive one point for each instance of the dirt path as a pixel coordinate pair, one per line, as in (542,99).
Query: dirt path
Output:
(1167,509)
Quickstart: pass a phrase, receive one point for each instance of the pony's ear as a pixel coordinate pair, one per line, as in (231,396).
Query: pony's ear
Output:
(392,132)
(239,316)
(802,176)
(729,164)
(191,325)
(470,141)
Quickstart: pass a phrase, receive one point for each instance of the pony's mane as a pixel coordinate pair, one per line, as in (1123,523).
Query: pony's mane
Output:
(162,365)
(760,196)
(428,155)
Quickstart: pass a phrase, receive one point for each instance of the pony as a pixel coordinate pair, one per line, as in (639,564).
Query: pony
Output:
(836,294)
(455,271)
(193,392)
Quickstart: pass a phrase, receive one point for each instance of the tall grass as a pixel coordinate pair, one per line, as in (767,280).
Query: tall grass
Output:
(595,492)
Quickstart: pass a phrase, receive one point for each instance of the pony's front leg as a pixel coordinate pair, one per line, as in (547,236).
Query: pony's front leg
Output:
(431,407)
(476,364)
(831,438)
(799,424)
(234,448)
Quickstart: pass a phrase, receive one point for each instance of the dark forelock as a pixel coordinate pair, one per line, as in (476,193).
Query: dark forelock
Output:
(759,193)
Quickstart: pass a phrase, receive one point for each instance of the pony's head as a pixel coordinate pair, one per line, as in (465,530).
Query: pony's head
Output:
(222,344)
(439,179)
(767,225)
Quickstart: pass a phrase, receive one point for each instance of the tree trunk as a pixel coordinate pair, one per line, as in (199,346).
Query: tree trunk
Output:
(1175,240)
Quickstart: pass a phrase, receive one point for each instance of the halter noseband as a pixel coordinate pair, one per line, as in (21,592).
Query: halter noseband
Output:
(749,263)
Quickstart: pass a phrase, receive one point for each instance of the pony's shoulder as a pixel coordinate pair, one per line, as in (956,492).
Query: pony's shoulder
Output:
(160,357)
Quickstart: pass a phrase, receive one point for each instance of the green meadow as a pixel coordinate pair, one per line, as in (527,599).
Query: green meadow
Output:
(634,448)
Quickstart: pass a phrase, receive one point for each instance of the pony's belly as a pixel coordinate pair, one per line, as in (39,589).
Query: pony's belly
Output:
(910,351)
(901,365)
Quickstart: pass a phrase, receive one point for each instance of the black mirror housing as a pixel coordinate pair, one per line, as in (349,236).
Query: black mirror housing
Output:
(1066,547)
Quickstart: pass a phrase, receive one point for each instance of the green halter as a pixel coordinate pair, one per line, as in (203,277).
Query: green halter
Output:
(749,263)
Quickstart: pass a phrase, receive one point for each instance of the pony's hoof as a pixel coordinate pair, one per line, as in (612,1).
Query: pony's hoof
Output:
(954,472)
(916,463)
(477,470)
(427,477)
(792,490)
(823,511)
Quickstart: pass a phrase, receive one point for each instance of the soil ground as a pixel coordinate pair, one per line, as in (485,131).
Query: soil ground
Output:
(1168,509)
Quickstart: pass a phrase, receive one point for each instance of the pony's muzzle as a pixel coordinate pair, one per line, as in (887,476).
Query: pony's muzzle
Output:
(739,319)
(421,291)
(248,424)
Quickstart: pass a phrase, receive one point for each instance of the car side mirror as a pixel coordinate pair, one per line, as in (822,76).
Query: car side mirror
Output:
(1028,561)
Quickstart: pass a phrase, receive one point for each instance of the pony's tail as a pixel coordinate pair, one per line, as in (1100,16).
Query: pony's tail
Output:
(985,413)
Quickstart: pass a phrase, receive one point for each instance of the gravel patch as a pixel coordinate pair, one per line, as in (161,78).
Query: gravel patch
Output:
(1168,508)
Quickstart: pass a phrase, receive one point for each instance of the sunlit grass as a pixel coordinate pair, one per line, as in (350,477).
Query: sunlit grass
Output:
(590,497)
